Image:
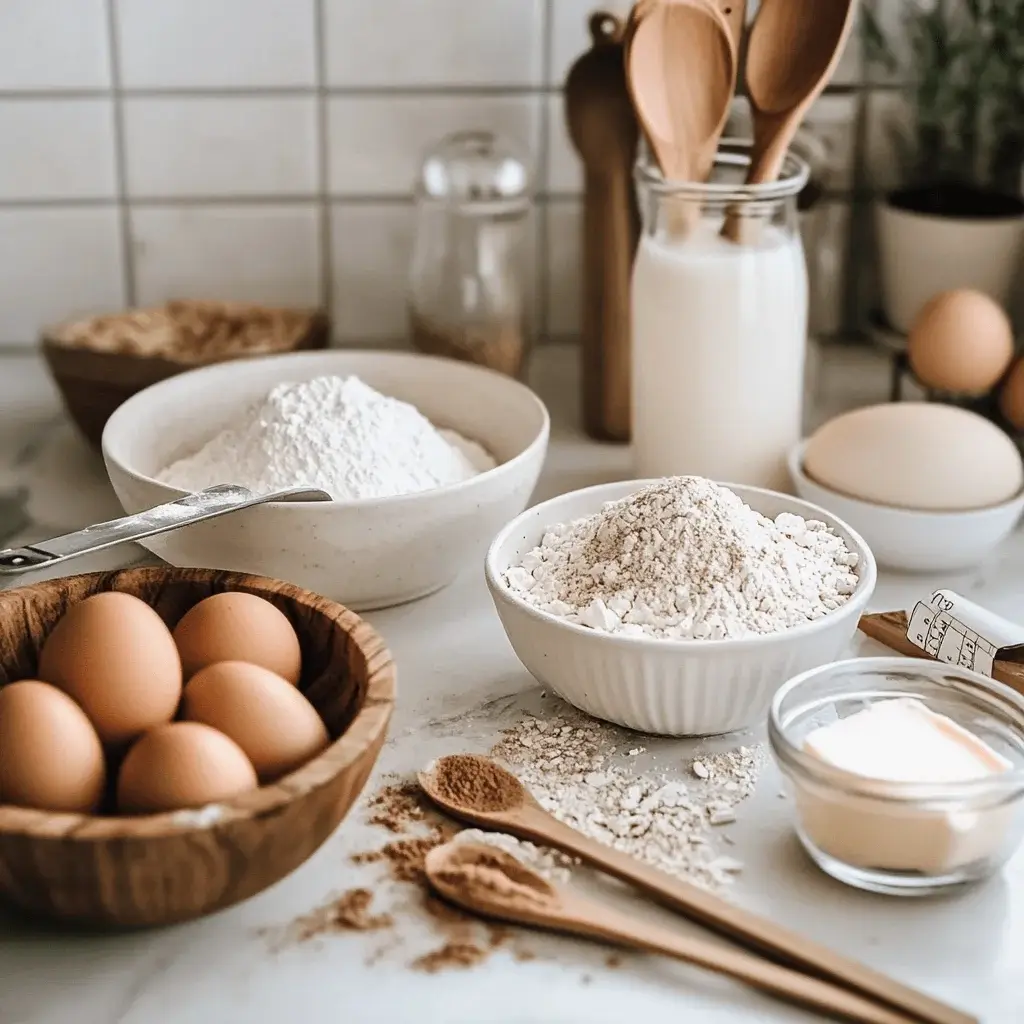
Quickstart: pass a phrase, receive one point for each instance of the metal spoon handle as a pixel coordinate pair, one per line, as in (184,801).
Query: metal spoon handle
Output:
(193,508)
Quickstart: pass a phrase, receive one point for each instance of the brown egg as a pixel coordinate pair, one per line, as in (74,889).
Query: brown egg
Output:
(184,764)
(960,342)
(113,654)
(266,716)
(238,627)
(50,756)
(1011,396)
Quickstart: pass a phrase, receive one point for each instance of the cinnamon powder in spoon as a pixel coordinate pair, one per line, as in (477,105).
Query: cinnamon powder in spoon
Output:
(492,876)
(476,782)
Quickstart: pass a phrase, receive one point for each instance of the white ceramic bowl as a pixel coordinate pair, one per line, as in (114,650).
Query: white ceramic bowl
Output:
(914,541)
(365,554)
(668,687)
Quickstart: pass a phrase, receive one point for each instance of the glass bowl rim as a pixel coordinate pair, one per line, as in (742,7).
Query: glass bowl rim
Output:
(793,760)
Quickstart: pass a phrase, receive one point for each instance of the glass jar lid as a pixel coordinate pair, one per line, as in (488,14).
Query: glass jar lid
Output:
(476,169)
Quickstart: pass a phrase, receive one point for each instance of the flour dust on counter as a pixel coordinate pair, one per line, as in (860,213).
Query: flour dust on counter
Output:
(334,433)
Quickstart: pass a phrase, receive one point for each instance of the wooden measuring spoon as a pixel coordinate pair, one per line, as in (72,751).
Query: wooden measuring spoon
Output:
(792,52)
(604,131)
(681,66)
(498,800)
(489,881)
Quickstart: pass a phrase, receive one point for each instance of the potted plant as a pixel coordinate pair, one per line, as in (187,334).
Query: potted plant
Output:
(957,219)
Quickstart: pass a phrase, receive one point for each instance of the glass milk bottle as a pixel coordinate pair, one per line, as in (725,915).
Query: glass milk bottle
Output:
(719,326)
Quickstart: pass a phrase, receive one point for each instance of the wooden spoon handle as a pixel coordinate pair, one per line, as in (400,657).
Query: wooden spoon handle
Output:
(742,925)
(609,241)
(601,922)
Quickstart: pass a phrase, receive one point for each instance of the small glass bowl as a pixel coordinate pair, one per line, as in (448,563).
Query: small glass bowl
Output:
(901,838)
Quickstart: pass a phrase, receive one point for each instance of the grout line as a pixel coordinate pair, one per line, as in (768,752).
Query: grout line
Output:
(121,159)
(323,161)
(541,310)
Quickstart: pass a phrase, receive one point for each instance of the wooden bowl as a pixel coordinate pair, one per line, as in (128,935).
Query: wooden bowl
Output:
(130,872)
(93,382)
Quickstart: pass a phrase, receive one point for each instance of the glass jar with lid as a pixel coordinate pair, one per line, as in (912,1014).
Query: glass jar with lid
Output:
(467,280)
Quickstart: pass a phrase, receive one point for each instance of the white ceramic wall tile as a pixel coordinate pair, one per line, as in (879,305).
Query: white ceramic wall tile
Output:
(563,268)
(54,44)
(201,146)
(217,43)
(57,149)
(887,122)
(825,232)
(371,248)
(57,263)
(377,143)
(392,43)
(569,35)
(260,253)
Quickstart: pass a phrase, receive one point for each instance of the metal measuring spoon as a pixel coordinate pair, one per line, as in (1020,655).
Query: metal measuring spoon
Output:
(193,508)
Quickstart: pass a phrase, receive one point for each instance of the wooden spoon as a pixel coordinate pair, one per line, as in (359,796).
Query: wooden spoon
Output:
(734,12)
(681,67)
(498,800)
(604,130)
(792,52)
(489,881)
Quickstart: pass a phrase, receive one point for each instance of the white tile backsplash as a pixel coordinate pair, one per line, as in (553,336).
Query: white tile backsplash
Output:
(57,264)
(192,44)
(564,227)
(227,135)
(260,253)
(371,245)
(57,149)
(54,44)
(209,146)
(391,43)
(376,143)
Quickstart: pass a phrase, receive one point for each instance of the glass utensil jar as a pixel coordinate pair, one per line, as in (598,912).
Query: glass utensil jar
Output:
(467,295)
(719,326)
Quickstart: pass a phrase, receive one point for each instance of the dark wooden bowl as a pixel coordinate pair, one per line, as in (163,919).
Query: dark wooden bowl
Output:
(131,872)
(93,383)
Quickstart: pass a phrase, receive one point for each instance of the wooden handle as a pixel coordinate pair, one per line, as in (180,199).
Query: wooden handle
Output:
(609,242)
(890,628)
(604,923)
(741,925)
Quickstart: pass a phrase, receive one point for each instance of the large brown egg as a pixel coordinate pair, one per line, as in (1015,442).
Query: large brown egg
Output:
(960,342)
(238,627)
(50,756)
(266,716)
(113,654)
(184,764)
(1011,396)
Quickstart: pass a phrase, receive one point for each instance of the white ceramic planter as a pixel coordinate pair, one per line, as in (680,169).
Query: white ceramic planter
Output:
(921,255)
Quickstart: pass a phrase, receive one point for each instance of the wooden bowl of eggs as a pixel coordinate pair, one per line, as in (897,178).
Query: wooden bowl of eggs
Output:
(173,741)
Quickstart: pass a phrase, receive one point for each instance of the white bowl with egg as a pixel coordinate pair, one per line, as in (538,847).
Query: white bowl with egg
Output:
(660,686)
(367,553)
(897,474)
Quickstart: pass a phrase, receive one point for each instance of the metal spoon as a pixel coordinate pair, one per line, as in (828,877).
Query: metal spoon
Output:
(502,803)
(489,881)
(792,52)
(193,508)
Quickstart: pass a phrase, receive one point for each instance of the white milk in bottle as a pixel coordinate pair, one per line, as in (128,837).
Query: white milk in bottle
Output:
(719,332)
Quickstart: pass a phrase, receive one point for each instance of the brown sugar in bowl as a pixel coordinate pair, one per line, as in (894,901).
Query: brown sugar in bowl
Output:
(135,872)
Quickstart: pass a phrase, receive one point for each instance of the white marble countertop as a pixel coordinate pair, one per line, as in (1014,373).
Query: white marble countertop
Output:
(460,684)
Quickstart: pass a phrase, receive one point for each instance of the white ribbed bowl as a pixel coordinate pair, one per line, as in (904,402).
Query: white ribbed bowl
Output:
(667,687)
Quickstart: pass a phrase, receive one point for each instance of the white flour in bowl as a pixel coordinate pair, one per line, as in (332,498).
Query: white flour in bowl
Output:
(335,433)
(685,559)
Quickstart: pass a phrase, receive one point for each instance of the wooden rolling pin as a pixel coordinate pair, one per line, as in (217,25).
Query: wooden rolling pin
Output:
(890,628)
(604,131)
